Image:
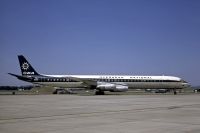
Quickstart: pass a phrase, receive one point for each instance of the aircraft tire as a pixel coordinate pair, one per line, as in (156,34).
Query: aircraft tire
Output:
(175,93)
(99,93)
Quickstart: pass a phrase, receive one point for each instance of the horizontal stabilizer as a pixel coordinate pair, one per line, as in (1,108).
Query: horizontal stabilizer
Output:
(21,77)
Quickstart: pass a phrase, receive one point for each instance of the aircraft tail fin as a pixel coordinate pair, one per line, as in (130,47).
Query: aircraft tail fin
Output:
(26,67)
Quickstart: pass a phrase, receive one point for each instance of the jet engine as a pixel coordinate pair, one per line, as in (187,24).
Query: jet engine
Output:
(112,88)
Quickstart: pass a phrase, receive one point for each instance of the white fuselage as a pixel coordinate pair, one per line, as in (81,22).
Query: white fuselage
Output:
(134,82)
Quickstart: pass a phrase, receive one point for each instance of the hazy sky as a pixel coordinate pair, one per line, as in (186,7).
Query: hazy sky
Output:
(135,37)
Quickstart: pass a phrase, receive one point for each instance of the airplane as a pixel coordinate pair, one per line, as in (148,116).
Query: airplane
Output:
(99,83)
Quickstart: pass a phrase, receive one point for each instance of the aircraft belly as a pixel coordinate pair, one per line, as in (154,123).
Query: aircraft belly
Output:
(62,84)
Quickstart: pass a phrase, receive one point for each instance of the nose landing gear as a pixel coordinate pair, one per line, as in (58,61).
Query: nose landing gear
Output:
(174,91)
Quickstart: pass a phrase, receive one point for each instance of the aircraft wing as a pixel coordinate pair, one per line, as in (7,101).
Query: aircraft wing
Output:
(84,80)
(94,82)
(103,86)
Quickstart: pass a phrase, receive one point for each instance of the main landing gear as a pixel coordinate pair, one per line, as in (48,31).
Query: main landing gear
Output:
(98,92)
(174,91)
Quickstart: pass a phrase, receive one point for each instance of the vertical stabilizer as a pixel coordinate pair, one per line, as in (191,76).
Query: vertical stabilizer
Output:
(25,66)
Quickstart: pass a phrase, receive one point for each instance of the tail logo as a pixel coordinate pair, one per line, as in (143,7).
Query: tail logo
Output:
(25,66)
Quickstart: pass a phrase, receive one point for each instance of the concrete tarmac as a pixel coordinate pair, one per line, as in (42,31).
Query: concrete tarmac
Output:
(100,114)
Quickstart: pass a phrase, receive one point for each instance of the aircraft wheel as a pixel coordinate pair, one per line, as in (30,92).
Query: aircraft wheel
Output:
(99,93)
(55,92)
(175,93)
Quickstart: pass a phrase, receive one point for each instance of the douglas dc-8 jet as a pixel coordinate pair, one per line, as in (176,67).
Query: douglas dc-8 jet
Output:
(101,83)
